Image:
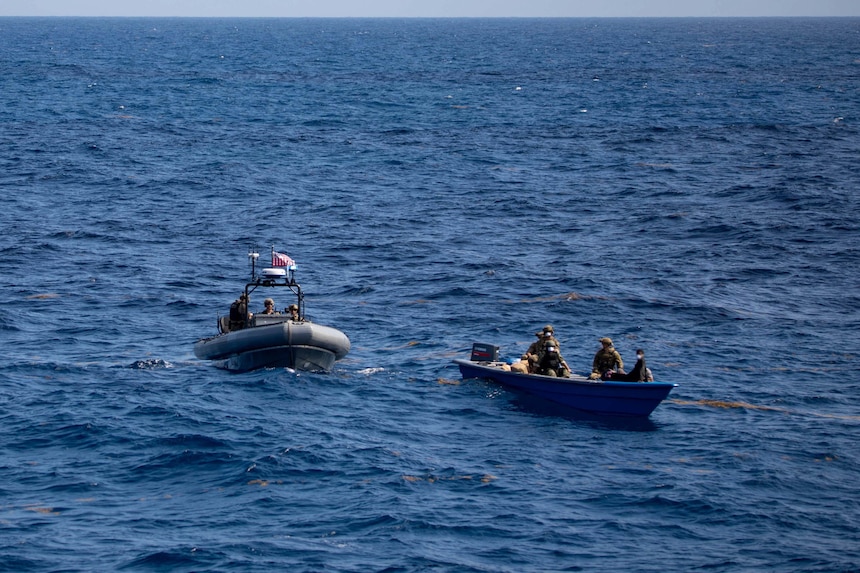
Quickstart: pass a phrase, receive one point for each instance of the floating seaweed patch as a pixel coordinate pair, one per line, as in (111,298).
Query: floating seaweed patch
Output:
(428,479)
(724,404)
(43,510)
(486,478)
(567,296)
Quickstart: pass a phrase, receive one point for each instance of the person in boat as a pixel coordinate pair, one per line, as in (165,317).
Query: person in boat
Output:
(535,350)
(528,360)
(269,305)
(606,361)
(640,372)
(294,312)
(532,354)
(549,336)
(239,312)
(551,363)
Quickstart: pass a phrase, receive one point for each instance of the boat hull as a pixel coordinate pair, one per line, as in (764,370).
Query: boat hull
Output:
(287,344)
(594,396)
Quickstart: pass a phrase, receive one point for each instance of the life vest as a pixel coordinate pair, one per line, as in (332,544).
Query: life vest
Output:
(549,361)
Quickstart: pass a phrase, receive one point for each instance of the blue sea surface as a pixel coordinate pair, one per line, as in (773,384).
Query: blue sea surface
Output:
(687,186)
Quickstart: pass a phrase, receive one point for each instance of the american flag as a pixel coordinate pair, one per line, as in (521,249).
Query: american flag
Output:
(282,260)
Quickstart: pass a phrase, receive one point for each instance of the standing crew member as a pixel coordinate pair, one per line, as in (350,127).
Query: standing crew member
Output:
(239,312)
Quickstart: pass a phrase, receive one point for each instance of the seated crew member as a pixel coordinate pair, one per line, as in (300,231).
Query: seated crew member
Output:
(549,336)
(535,351)
(294,312)
(639,372)
(552,363)
(239,312)
(270,307)
(606,360)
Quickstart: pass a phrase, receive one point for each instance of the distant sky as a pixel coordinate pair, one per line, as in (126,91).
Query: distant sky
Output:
(430,8)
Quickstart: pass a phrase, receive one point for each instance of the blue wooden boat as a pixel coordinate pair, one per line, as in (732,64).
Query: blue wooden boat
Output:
(577,392)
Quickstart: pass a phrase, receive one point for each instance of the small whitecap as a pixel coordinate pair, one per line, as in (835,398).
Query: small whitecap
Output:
(518,88)
(150,364)
(369,371)
(583,110)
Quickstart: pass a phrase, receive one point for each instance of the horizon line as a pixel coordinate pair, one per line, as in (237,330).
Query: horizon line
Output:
(418,17)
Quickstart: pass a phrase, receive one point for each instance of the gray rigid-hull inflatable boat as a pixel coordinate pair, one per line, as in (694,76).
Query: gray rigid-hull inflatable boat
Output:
(276,344)
(287,340)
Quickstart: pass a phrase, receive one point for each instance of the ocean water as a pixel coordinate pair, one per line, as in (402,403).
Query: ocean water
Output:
(686,186)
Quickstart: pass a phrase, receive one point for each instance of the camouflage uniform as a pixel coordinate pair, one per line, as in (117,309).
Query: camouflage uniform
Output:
(549,336)
(551,340)
(536,350)
(607,358)
(535,347)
